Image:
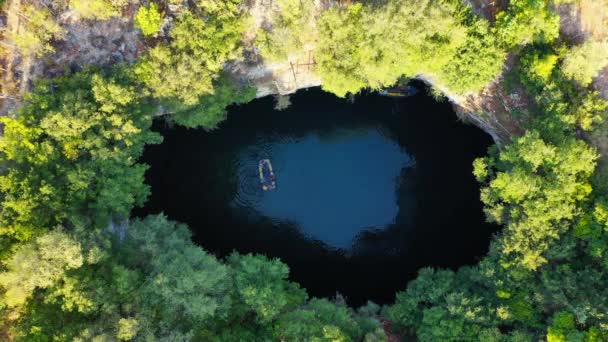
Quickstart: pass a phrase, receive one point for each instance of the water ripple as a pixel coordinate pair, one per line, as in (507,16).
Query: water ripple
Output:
(323,185)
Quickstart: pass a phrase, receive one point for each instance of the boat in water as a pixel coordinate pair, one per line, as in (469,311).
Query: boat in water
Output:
(398,91)
(266,175)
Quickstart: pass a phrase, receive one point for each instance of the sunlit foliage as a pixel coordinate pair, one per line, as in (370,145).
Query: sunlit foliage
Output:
(366,46)
(98,9)
(211,109)
(36,30)
(291,33)
(526,22)
(74,268)
(477,62)
(563,105)
(72,154)
(39,264)
(186,68)
(583,63)
(148,19)
(534,189)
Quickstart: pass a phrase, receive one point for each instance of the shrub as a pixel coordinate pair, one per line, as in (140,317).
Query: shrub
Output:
(583,62)
(148,19)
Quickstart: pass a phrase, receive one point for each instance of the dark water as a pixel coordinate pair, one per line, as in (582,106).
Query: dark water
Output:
(367,193)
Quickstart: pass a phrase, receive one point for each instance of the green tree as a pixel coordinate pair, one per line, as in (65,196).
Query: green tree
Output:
(72,152)
(186,68)
(321,320)
(127,329)
(98,9)
(476,63)
(262,286)
(148,281)
(590,110)
(38,264)
(338,53)
(526,22)
(563,105)
(442,305)
(537,67)
(291,33)
(37,29)
(372,46)
(582,63)
(534,188)
(148,19)
(182,281)
(69,156)
(211,109)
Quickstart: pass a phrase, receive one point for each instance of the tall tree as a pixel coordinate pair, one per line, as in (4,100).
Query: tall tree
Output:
(72,154)
(200,45)
(535,189)
(37,28)
(372,46)
(148,19)
(526,22)
(584,62)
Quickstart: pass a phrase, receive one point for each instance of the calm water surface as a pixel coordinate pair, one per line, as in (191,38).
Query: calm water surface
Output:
(367,192)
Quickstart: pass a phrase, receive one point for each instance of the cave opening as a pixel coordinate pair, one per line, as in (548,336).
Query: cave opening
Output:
(367,191)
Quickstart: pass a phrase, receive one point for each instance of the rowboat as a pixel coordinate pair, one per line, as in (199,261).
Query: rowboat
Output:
(266,175)
(398,91)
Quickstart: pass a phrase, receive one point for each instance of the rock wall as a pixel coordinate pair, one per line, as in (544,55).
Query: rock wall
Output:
(490,110)
(498,109)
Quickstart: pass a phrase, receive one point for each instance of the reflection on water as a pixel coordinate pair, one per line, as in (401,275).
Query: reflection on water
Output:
(330,187)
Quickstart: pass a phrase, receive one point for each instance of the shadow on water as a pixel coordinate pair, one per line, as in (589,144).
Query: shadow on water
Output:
(367,193)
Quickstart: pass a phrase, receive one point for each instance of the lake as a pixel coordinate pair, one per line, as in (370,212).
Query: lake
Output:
(367,192)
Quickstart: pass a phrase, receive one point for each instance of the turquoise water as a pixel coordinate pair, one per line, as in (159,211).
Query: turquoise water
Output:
(313,174)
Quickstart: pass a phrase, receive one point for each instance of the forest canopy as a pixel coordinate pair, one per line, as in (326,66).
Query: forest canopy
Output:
(75,266)
(365,46)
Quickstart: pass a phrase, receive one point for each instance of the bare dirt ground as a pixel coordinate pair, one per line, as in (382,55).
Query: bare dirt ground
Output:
(282,77)
(11,66)
(488,9)
(96,43)
(585,20)
(102,43)
(498,109)
(391,336)
(85,43)
(570,23)
(600,83)
(594,18)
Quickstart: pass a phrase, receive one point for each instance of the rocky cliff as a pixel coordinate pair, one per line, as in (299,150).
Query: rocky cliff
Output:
(498,109)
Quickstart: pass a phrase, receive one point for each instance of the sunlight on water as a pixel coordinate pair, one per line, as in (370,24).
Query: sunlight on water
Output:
(330,186)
